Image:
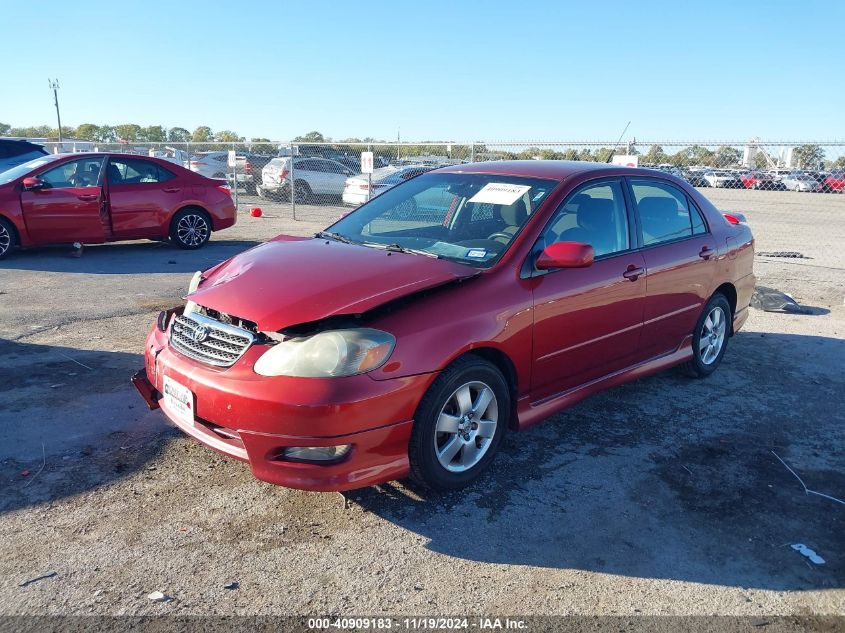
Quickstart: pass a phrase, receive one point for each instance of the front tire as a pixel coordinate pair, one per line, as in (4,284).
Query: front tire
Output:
(710,340)
(190,229)
(8,238)
(459,424)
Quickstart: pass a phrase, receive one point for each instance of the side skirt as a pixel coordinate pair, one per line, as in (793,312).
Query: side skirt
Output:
(529,413)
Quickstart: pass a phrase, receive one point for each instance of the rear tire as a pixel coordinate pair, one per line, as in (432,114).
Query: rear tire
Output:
(8,238)
(459,424)
(710,338)
(190,228)
(301,192)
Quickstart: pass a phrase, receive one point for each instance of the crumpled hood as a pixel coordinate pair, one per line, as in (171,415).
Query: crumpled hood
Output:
(288,281)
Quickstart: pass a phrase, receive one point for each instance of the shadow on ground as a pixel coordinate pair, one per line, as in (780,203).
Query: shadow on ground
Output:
(666,478)
(126,257)
(70,422)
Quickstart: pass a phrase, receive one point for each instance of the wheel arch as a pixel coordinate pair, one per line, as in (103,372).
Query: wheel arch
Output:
(504,364)
(15,231)
(193,207)
(729,290)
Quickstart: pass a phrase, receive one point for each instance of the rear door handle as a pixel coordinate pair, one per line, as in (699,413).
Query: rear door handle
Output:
(171,190)
(706,253)
(633,273)
(88,197)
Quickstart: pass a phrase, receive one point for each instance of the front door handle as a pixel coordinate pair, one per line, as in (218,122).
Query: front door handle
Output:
(706,252)
(633,272)
(171,190)
(88,197)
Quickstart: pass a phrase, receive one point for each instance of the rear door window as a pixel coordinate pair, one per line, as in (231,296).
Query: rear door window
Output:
(133,171)
(664,211)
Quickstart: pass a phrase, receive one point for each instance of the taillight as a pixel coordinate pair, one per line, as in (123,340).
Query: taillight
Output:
(225,189)
(365,186)
(283,174)
(732,219)
(247,166)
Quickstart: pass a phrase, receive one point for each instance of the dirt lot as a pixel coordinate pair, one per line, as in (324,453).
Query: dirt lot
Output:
(662,496)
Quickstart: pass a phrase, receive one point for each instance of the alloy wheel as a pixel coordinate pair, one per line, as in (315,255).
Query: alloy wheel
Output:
(5,240)
(300,194)
(712,336)
(192,229)
(466,426)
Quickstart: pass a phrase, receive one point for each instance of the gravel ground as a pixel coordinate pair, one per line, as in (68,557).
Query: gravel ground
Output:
(662,496)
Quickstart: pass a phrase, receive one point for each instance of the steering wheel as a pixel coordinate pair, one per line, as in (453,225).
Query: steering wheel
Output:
(500,237)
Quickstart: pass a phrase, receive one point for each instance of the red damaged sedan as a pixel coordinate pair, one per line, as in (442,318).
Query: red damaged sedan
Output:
(95,198)
(411,335)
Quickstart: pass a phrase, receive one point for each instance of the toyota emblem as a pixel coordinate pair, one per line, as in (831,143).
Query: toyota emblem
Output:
(200,334)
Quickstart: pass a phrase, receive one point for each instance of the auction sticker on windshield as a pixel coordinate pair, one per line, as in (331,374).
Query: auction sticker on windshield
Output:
(499,193)
(179,400)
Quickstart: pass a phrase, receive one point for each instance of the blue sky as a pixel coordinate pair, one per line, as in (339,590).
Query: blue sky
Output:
(455,69)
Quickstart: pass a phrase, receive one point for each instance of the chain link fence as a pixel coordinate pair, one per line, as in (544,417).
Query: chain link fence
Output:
(796,186)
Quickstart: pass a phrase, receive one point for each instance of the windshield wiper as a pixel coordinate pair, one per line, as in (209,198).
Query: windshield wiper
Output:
(337,237)
(398,248)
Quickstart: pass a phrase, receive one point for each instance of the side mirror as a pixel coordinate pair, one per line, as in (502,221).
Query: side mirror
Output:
(31,183)
(566,255)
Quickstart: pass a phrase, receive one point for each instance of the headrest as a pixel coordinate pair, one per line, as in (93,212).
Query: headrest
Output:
(515,214)
(595,213)
(658,208)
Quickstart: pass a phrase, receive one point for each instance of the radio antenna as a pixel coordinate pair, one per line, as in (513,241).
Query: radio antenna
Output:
(609,158)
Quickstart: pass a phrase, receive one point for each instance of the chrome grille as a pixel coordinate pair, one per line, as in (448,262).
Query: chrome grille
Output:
(208,340)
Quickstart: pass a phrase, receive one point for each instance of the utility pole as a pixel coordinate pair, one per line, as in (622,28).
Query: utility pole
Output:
(54,86)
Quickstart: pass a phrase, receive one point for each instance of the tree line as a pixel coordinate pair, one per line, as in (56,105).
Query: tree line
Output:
(807,156)
(128,132)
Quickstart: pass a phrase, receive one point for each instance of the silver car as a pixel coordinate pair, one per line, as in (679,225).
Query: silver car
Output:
(798,181)
(723,178)
(216,165)
(313,178)
(357,188)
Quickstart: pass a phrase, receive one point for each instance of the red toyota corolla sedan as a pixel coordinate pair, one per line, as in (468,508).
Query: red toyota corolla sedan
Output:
(408,337)
(95,198)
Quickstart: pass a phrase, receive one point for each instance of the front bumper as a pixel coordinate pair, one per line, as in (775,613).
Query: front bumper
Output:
(253,418)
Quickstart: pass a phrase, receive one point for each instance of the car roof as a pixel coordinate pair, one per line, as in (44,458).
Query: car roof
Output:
(19,141)
(549,169)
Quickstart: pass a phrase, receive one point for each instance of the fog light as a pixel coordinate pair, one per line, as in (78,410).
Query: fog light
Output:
(316,453)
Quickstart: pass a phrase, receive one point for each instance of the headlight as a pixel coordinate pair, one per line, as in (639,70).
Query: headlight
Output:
(192,287)
(331,353)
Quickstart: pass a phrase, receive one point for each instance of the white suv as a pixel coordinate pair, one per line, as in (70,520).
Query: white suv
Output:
(312,177)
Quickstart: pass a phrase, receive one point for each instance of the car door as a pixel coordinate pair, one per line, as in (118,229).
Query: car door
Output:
(69,206)
(309,171)
(681,257)
(335,175)
(587,321)
(142,196)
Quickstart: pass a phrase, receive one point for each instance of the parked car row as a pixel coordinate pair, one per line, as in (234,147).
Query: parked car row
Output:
(768,180)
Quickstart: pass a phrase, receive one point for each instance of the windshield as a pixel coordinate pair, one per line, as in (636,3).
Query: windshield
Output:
(470,218)
(24,168)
